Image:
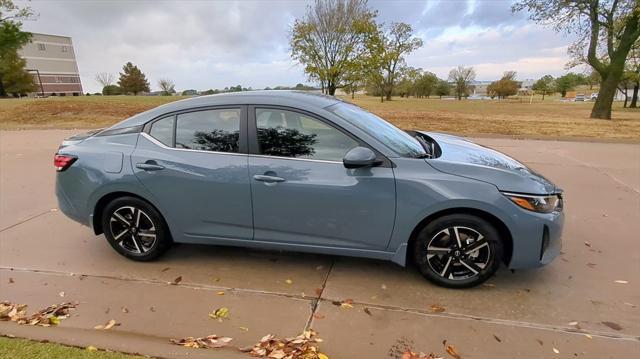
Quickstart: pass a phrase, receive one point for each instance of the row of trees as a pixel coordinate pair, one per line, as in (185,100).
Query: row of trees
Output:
(131,81)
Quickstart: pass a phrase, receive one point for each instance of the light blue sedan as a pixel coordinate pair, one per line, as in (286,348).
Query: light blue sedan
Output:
(305,172)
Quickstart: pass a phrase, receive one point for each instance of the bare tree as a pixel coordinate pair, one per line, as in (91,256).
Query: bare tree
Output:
(167,87)
(461,77)
(606,29)
(105,79)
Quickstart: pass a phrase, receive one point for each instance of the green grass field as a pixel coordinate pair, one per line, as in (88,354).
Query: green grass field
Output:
(27,349)
(512,117)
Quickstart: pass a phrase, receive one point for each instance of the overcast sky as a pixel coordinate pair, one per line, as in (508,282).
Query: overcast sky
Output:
(214,44)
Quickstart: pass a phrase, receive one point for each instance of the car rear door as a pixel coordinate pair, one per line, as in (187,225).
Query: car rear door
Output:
(195,165)
(303,194)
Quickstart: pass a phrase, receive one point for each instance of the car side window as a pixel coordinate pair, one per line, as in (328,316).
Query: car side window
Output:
(209,130)
(162,130)
(291,134)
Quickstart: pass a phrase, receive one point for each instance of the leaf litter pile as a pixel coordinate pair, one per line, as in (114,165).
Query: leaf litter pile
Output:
(304,346)
(51,315)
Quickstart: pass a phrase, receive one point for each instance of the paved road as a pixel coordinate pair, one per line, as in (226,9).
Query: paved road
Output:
(525,314)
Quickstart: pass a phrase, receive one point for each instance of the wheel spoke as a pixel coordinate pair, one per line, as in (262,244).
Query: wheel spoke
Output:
(150,234)
(472,266)
(137,213)
(119,217)
(139,247)
(438,250)
(455,236)
(481,242)
(447,268)
(117,237)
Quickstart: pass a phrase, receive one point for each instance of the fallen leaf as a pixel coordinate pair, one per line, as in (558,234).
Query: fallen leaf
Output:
(383,287)
(588,336)
(622,282)
(436,308)
(587,244)
(91,348)
(612,325)
(318,316)
(244,329)
(51,315)
(318,292)
(591,265)
(219,314)
(11,280)
(488,285)
(630,304)
(539,341)
(108,325)
(61,294)
(366,310)
(210,342)
(216,279)
(451,350)
(11,311)
(556,351)
(304,345)
(322,356)
(220,293)
(177,280)
(573,324)
(164,269)
(497,338)
(288,281)
(152,308)
(124,310)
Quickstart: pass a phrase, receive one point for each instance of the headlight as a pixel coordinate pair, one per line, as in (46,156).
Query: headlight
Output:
(542,204)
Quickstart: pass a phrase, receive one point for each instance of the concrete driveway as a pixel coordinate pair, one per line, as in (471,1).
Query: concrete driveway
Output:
(574,305)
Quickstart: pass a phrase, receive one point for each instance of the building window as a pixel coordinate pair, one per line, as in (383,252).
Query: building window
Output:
(41,47)
(64,49)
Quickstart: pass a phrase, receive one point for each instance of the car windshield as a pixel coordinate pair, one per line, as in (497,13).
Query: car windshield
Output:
(393,137)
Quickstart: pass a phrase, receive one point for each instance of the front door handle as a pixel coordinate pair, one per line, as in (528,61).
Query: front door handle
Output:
(268,179)
(149,166)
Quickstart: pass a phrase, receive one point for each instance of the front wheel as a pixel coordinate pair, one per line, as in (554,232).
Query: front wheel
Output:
(135,229)
(458,251)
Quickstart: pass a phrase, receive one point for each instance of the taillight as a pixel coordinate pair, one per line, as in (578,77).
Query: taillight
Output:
(62,162)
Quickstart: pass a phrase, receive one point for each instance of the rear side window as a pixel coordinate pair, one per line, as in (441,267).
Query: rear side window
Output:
(209,130)
(162,130)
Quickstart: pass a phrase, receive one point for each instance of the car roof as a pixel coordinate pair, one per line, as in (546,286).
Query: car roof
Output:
(299,99)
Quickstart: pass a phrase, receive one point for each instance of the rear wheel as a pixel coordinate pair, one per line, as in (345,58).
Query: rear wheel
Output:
(458,251)
(135,229)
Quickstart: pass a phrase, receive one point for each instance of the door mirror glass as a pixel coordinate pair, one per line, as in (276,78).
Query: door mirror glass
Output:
(360,157)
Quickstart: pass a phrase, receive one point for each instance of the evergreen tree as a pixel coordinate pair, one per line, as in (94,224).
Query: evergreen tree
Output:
(132,80)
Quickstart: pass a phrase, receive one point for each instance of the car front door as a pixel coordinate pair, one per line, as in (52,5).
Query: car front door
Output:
(303,194)
(195,165)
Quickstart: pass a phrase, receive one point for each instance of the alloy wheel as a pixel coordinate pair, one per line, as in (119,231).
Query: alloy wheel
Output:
(133,229)
(458,253)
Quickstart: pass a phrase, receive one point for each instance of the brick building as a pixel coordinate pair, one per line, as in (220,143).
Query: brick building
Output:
(52,61)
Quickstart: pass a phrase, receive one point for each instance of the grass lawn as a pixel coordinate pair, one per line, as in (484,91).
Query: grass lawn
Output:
(513,117)
(27,349)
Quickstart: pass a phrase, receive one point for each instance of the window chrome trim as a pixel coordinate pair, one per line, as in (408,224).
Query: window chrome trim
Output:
(162,145)
(294,158)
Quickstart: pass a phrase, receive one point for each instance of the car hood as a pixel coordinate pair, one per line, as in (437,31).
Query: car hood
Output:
(461,157)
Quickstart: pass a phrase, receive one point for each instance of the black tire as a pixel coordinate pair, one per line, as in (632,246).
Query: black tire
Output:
(141,234)
(464,251)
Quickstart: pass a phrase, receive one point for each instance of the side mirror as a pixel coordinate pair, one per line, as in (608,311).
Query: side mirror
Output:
(360,157)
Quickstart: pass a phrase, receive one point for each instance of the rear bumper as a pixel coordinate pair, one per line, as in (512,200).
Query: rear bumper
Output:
(537,240)
(66,206)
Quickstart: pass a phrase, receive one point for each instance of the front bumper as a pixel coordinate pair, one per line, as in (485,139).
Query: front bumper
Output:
(537,239)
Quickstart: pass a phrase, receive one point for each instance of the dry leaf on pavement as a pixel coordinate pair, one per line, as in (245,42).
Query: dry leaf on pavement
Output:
(108,325)
(556,351)
(451,350)
(11,311)
(219,314)
(51,315)
(622,282)
(497,338)
(288,281)
(209,342)
(304,346)
(177,281)
(366,310)
(612,325)
(413,355)
(436,308)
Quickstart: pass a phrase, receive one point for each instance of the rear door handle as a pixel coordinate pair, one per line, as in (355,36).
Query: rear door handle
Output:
(268,179)
(149,166)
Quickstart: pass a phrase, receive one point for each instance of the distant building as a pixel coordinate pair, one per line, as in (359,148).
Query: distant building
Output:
(52,61)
